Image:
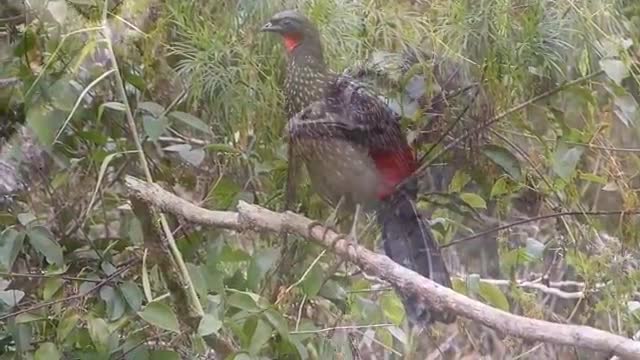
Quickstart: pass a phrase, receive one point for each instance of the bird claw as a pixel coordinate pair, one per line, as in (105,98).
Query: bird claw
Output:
(326,228)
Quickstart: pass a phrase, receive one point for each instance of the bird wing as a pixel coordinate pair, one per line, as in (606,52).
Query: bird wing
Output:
(349,111)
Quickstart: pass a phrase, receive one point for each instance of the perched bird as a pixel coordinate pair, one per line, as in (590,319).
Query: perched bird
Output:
(356,153)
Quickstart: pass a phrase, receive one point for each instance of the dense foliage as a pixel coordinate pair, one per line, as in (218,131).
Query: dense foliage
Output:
(202,86)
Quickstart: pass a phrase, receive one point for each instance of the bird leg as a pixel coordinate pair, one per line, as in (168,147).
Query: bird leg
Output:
(329,222)
(353,234)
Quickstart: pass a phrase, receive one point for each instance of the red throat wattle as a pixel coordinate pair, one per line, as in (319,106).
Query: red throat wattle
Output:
(291,42)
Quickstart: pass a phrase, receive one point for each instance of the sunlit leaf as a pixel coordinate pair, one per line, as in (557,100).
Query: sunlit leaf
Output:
(494,296)
(615,69)
(473,200)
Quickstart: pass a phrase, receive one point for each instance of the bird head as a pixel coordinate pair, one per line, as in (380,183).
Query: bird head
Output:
(294,28)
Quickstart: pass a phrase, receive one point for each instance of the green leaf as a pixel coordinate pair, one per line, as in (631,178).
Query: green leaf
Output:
(99,333)
(164,355)
(132,294)
(243,301)
(615,69)
(135,347)
(224,148)
(42,240)
(224,193)
(209,324)
(261,262)
(499,188)
(11,298)
(152,108)
(392,307)
(115,303)
(11,242)
(190,120)
(494,296)
(460,179)
(68,322)
(261,335)
(473,200)
(535,248)
(278,322)
(313,281)
(592,178)
(47,351)
(153,127)
(45,122)
(333,291)
(231,255)
(51,287)
(29,317)
(504,159)
(198,280)
(160,315)
(193,156)
(566,159)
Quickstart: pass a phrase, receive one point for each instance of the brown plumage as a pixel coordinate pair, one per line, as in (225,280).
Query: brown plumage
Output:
(354,148)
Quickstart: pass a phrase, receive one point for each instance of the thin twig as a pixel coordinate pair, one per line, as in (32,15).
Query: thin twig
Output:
(541,217)
(47,276)
(348,327)
(103,282)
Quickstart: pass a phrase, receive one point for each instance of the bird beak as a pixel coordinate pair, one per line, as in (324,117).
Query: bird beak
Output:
(269,27)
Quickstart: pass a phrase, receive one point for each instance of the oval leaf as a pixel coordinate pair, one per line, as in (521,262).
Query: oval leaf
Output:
(504,159)
(160,315)
(11,242)
(494,296)
(42,240)
(473,200)
(190,120)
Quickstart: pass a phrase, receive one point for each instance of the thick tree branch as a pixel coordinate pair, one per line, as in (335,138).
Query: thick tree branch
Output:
(438,297)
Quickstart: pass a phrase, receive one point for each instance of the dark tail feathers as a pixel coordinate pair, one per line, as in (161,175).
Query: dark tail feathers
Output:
(408,240)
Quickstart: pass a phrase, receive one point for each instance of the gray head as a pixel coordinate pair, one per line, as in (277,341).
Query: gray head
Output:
(295,30)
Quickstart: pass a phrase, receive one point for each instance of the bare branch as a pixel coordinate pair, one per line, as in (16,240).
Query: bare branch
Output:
(438,297)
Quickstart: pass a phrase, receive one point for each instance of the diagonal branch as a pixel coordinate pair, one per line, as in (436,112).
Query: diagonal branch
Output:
(252,217)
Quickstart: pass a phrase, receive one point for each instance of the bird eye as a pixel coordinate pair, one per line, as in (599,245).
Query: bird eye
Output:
(286,22)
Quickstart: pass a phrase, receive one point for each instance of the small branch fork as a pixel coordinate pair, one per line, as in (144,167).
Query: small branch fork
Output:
(252,217)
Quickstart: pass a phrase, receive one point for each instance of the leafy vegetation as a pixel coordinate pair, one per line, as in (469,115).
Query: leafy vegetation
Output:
(203,88)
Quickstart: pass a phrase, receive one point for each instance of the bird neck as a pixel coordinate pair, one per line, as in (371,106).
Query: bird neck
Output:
(307,76)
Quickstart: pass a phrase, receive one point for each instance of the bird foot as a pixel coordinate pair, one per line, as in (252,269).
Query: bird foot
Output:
(326,228)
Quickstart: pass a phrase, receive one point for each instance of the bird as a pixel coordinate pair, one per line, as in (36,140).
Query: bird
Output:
(356,154)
